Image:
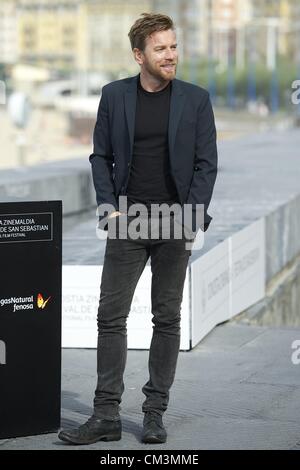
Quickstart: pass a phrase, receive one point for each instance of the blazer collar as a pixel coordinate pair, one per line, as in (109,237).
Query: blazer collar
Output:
(176,108)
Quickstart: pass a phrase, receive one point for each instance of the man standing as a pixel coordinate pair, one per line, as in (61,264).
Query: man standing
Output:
(154,143)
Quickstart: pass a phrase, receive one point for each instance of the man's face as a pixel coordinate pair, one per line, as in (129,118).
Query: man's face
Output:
(160,56)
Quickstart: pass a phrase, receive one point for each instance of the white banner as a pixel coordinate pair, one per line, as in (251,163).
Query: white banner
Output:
(80,299)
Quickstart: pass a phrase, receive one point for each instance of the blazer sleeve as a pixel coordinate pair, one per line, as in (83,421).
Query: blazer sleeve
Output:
(102,160)
(205,162)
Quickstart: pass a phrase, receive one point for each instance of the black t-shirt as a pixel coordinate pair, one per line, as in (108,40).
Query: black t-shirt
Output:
(150,179)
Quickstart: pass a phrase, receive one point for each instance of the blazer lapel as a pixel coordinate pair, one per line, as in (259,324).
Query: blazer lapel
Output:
(176,108)
(130,106)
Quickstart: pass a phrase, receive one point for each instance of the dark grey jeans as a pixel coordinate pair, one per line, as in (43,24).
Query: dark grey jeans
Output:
(124,262)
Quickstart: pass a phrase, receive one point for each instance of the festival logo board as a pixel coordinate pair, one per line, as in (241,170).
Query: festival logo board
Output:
(30,317)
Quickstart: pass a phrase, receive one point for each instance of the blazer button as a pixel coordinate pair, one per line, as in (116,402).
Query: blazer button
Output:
(196,168)
(128,164)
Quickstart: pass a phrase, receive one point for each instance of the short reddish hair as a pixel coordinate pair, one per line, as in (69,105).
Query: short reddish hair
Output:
(148,24)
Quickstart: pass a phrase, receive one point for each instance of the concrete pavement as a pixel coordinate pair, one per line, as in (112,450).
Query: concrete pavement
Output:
(238,389)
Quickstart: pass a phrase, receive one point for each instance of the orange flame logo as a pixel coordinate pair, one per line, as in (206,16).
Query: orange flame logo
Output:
(41,303)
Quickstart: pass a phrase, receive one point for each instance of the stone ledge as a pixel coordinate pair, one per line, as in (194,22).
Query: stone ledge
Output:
(70,181)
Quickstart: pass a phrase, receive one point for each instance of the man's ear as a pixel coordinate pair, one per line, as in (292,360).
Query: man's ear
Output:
(137,53)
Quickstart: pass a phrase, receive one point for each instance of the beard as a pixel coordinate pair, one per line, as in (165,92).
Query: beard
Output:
(159,72)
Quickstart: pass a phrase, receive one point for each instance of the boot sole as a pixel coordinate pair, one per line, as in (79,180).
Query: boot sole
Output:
(108,437)
(154,440)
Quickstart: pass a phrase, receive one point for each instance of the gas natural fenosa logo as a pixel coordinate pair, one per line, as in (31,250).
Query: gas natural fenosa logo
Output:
(24,303)
(41,303)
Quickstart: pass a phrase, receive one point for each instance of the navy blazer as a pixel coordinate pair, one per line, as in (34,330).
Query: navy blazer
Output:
(192,144)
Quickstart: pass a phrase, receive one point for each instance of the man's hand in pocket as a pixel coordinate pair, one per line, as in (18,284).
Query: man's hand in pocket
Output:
(114,214)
